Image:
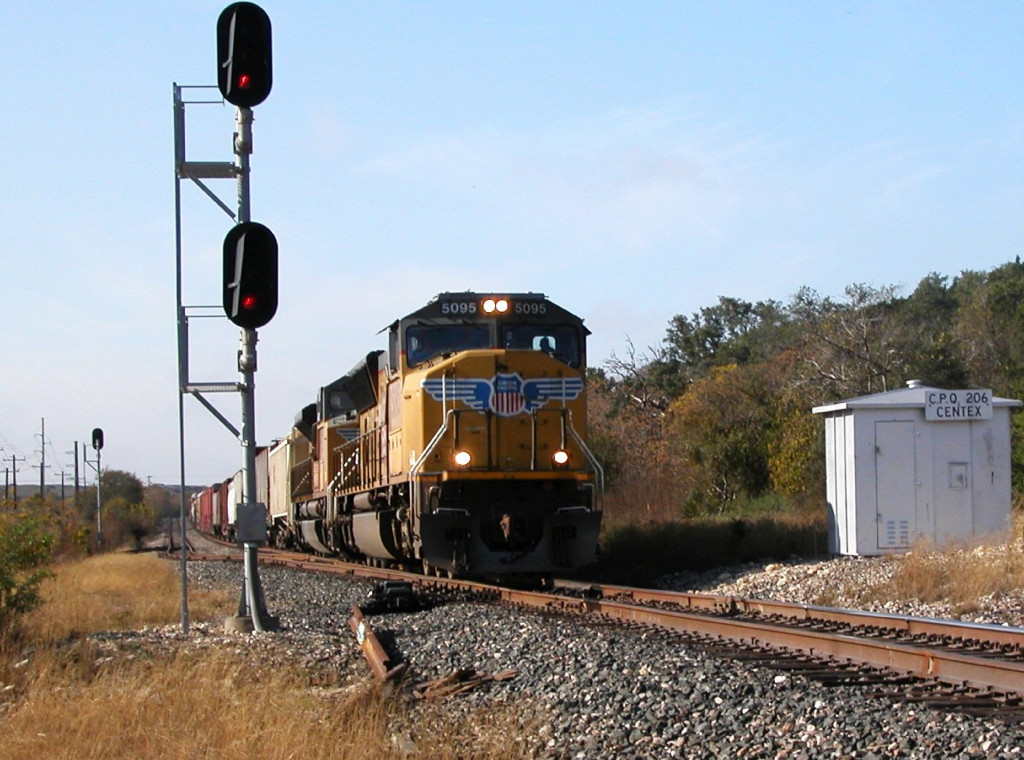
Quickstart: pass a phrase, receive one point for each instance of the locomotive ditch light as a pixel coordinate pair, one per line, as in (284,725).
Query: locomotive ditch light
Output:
(560,458)
(463,458)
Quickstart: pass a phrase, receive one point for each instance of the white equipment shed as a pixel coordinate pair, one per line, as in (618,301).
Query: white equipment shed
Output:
(916,464)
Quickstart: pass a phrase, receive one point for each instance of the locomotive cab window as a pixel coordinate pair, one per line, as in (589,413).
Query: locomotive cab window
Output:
(424,342)
(563,343)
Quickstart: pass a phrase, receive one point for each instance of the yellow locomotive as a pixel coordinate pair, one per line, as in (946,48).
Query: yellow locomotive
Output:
(458,450)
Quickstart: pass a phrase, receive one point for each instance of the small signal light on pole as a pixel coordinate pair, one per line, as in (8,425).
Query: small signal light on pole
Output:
(250,275)
(244,60)
(97,438)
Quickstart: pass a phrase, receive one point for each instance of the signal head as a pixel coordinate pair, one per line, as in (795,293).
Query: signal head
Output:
(244,60)
(250,275)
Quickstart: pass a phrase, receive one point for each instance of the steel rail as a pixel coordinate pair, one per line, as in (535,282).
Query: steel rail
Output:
(954,630)
(1007,636)
(924,662)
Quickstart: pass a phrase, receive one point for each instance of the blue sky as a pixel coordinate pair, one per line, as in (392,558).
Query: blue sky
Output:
(632,160)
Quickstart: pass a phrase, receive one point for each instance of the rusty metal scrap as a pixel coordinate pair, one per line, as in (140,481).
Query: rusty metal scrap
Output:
(380,661)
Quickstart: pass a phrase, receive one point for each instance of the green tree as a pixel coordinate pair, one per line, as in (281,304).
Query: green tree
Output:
(124,521)
(990,327)
(123,497)
(796,460)
(124,485)
(733,331)
(721,430)
(927,334)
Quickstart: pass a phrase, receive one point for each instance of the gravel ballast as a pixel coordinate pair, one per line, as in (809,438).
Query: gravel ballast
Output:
(593,690)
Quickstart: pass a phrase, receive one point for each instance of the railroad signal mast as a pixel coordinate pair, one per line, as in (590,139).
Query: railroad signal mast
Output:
(244,77)
(97,444)
(249,284)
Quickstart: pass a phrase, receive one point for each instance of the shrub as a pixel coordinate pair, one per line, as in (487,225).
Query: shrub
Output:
(24,549)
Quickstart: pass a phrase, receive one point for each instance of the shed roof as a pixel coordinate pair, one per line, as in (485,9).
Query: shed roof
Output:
(912,396)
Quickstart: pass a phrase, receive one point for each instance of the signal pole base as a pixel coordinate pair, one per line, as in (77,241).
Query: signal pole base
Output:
(245,624)
(238,624)
(252,608)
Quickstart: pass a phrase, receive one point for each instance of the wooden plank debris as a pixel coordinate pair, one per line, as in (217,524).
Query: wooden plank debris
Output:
(460,681)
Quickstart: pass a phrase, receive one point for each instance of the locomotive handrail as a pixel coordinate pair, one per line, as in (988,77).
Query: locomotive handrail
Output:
(368,463)
(301,478)
(418,464)
(566,419)
(598,469)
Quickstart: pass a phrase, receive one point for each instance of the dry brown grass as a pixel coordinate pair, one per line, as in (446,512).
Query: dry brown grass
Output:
(214,706)
(61,696)
(960,575)
(195,706)
(116,592)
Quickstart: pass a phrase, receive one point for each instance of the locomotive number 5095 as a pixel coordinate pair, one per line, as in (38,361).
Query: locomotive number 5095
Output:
(531,308)
(459,307)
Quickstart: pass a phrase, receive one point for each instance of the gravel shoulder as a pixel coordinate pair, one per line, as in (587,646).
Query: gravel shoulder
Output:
(866,583)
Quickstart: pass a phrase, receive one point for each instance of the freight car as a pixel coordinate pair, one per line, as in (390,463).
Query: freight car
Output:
(460,449)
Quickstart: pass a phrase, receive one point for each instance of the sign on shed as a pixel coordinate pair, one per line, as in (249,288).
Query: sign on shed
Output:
(957,406)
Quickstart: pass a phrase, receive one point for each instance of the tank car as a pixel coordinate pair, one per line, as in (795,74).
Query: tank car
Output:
(461,449)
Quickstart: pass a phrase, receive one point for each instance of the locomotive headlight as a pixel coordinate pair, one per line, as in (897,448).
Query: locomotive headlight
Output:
(495,305)
(560,458)
(462,458)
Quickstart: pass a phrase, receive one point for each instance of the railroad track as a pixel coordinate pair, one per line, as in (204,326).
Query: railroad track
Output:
(972,668)
(173,537)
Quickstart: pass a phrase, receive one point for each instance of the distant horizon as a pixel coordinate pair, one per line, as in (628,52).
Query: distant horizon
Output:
(69,486)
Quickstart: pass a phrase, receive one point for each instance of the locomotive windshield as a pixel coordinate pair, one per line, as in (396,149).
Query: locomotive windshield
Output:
(424,342)
(455,322)
(563,343)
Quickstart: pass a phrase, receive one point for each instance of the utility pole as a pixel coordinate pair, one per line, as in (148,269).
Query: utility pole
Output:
(14,472)
(76,473)
(42,458)
(85,461)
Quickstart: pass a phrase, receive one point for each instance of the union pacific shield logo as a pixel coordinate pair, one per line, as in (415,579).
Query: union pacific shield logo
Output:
(504,394)
(508,394)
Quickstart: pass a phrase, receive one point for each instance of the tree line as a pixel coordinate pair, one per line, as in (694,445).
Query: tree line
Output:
(718,416)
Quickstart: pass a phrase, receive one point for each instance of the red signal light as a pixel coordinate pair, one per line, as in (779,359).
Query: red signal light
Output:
(249,302)
(244,80)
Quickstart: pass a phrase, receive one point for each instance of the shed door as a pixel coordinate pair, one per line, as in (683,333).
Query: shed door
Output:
(895,483)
